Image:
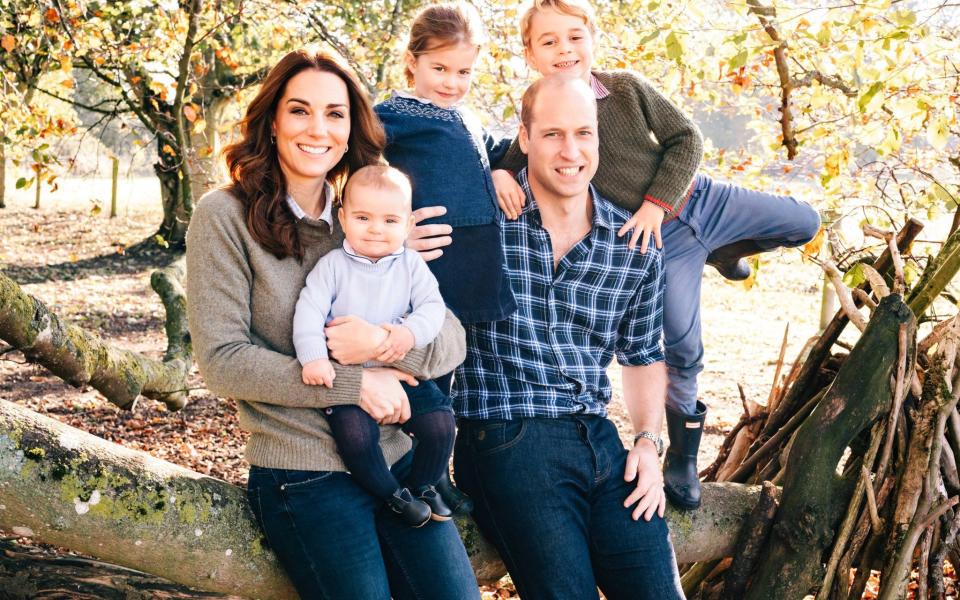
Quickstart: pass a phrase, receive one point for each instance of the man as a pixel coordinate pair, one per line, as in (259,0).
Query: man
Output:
(554,488)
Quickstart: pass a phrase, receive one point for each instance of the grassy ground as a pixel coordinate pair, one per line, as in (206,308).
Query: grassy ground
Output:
(76,262)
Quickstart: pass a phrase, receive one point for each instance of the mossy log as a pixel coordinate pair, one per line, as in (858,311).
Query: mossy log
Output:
(82,358)
(66,487)
(813,495)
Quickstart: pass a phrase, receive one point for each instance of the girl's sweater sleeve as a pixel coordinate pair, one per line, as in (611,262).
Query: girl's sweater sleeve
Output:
(234,363)
(682,147)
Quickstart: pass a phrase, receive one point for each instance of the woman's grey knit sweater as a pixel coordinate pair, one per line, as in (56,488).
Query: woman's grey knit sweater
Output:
(241,302)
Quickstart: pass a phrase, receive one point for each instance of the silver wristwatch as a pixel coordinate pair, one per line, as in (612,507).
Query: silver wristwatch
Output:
(647,435)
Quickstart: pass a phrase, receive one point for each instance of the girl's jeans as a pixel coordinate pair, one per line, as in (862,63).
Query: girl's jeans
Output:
(338,542)
(716,214)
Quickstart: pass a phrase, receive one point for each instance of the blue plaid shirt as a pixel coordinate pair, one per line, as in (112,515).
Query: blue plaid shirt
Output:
(549,358)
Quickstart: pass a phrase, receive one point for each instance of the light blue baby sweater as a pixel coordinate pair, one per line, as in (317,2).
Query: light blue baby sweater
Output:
(398,289)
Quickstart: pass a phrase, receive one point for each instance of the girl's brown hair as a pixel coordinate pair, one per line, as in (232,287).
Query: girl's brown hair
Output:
(442,26)
(256,178)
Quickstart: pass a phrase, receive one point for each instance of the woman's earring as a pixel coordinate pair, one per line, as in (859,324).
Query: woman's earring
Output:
(345,148)
(273,138)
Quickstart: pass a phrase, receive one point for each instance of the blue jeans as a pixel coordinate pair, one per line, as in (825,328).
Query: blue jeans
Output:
(716,214)
(549,494)
(338,542)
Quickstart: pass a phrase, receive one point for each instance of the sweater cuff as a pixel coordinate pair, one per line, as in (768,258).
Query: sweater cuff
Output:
(658,202)
(311,355)
(346,387)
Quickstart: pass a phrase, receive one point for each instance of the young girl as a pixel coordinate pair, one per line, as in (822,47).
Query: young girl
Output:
(649,155)
(439,143)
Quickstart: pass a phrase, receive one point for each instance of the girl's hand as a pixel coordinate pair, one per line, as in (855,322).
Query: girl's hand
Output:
(398,343)
(429,239)
(647,220)
(510,195)
(353,341)
(381,396)
(319,372)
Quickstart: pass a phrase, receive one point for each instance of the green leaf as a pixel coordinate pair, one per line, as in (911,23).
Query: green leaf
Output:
(867,96)
(854,276)
(160,241)
(22,183)
(509,111)
(674,48)
(739,60)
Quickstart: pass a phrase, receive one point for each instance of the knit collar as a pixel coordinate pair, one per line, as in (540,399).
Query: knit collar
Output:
(326,215)
(602,211)
(410,96)
(369,261)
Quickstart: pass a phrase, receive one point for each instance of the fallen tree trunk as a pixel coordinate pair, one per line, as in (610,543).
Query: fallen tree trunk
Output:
(81,358)
(66,487)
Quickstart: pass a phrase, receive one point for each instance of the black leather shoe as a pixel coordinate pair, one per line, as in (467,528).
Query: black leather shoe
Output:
(681,481)
(412,511)
(730,260)
(458,502)
(428,494)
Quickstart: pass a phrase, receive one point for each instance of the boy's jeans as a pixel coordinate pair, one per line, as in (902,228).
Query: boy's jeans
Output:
(549,495)
(716,214)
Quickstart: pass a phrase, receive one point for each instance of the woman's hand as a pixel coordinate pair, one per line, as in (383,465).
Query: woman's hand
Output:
(510,195)
(353,341)
(646,221)
(381,396)
(429,239)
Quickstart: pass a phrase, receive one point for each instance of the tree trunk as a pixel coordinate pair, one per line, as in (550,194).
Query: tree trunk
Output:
(69,488)
(176,212)
(203,158)
(813,495)
(3,176)
(81,358)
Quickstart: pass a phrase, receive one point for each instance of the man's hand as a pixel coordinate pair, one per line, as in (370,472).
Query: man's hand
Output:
(398,343)
(645,222)
(510,195)
(381,396)
(319,372)
(429,239)
(643,464)
(353,341)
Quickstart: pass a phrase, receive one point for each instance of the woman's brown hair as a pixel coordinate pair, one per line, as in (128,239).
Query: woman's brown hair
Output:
(256,178)
(441,26)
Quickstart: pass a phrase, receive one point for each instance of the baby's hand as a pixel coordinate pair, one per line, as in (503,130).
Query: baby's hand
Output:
(510,195)
(319,372)
(398,343)
(647,220)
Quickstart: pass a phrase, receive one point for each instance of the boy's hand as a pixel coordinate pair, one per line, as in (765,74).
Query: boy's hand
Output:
(647,220)
(398,343)
(319,372)
(510,195)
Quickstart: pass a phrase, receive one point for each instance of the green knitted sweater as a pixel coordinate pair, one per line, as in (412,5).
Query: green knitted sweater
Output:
(649,149)
(241,301)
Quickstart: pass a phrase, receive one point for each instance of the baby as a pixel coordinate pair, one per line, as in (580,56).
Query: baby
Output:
(377,279)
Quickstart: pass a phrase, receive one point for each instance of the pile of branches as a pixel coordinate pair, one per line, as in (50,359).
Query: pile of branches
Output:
(856,448)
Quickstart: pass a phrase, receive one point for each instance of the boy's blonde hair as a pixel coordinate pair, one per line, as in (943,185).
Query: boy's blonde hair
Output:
(575,8)
(379,177)
(441,26)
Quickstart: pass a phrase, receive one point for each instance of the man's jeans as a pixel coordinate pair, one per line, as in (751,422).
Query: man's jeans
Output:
(717,214)
(549,495)
(338,542)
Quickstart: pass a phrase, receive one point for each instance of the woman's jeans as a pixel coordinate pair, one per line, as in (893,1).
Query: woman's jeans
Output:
(549,494)
(338,542)
(716,214)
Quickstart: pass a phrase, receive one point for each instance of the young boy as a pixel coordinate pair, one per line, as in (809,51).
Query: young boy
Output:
(376,278)
(649,155)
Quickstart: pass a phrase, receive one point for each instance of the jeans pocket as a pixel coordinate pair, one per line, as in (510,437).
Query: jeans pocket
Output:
(498,436)
(304,481)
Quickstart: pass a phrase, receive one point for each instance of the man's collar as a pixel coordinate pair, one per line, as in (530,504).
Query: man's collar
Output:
(602,212)
(369,261)
(600,91)
(326,215)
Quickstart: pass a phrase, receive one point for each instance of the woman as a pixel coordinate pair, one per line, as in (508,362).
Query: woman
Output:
(249,249)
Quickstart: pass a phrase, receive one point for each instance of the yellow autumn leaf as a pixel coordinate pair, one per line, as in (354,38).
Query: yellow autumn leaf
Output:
(168,149)
(8,42)
(812,248)
(67,83)
(190,112)
(937,132)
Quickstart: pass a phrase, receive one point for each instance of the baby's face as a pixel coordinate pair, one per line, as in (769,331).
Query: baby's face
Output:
(376,221)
